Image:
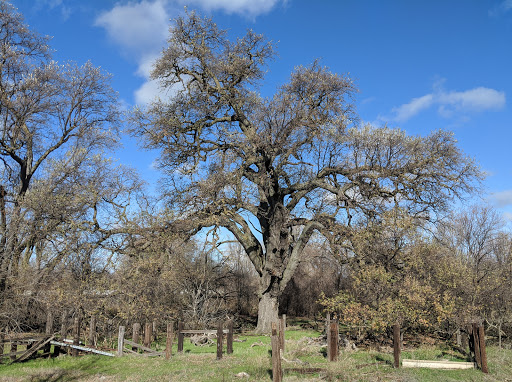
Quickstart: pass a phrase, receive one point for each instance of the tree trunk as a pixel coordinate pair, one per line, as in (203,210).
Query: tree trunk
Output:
(267,313)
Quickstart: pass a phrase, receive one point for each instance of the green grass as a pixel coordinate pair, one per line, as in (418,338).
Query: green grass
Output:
(200,364)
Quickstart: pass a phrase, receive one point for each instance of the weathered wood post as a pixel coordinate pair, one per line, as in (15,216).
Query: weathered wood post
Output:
(63,325)
(220,337)
(148,334)
(110,327)
(483,352)
(76,335)
(135,337)
(155,331)
(14,349)
(1,346)
(181,337)
(229,339)
(63,331)
(120,341)
(277,372)
(328,333)
(396,346)
(49,322)
(91,340)
(333,341)
(48,330)
(168,342)
(281,334)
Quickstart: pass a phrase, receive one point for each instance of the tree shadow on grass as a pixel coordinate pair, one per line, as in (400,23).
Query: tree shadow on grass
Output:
(73,372)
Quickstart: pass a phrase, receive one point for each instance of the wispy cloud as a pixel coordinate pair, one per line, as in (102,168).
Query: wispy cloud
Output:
(451,103)
(250,8)
(65,10)
(501,8)
(502,198)
(409,110)
(507,216)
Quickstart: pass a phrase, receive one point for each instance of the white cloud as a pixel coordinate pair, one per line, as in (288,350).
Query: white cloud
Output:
(477,99)
(502,198)
(148,91)
(451,103)
(408,110)
(140,29)
(243,7)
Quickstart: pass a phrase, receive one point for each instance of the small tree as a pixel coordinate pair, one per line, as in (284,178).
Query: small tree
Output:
(273,171)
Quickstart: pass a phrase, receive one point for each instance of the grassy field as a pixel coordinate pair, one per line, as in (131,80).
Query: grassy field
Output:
(304,361)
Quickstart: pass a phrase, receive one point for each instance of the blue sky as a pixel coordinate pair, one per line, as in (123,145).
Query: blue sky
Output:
(419,65)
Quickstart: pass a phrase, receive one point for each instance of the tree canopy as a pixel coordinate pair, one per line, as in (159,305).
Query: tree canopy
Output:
(276,170)
(57,121)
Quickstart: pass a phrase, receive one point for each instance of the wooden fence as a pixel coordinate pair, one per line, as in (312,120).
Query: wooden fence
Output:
(475,334)
(21,347)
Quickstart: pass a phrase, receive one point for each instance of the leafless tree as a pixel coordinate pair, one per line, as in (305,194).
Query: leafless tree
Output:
(273,171)
(55,183)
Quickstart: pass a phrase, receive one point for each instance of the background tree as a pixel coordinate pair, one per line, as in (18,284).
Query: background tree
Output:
(60,197)
(273,171)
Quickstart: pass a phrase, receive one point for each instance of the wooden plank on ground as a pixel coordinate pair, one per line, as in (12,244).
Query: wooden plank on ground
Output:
(225,331)
(449,365)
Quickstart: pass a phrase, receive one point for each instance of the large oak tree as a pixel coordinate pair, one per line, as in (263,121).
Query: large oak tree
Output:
(276,171)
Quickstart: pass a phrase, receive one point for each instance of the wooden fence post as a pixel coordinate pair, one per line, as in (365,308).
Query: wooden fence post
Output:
(281,334)
(155,331)
(181,337)
(396,345)
(48,330)
(110,325)
(1,346)
(135,337)
(14,349)
(229,339)
(63,325)
(147,334)
(120,341)
(49,322)
(168,342)
(220,337)
(333,340)
(483,352)
(328,333)
(76,335)
(277,372)
(91,340)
